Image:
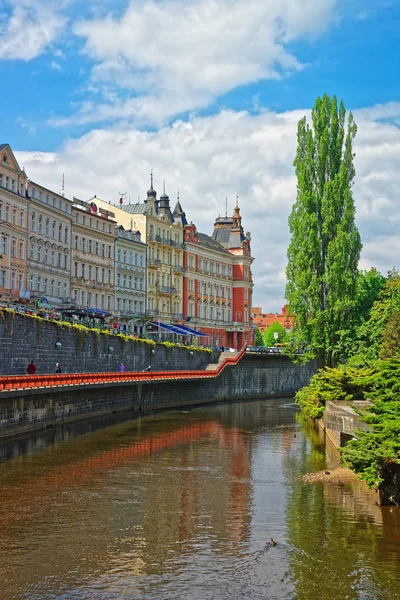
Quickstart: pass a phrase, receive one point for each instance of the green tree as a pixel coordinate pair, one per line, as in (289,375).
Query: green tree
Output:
(325,243)
(259,338)
(269,339)
(354,335)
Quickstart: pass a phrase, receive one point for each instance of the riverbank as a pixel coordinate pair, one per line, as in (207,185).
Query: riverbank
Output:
(254,376)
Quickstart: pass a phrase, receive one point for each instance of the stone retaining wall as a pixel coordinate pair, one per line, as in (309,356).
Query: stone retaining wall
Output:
(23,338)
(254,377)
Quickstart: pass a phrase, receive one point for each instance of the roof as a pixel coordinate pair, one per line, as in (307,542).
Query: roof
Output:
(209,242)
(235,239)
(2,146)
(221,235)
(134,209)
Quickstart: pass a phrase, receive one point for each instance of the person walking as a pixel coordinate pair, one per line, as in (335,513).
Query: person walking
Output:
(57,368)
(31,368)
(121,368)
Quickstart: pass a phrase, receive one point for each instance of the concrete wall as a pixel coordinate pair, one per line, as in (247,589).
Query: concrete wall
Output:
(253,377)
(23,339)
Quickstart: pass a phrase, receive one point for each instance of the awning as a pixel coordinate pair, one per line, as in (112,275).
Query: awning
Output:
(178,329)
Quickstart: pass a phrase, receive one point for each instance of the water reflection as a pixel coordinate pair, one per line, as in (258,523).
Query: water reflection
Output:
(182,505)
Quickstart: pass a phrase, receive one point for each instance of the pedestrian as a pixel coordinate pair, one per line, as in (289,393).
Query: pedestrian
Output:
(58,368)
(121,368)
(31,368)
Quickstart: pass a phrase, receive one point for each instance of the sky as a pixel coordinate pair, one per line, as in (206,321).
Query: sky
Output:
(207,94)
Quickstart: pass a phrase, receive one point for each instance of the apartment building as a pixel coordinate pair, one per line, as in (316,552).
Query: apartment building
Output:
(162,231)
(49,245)
(13,226)
(218,282)
(92,256)
(130,279)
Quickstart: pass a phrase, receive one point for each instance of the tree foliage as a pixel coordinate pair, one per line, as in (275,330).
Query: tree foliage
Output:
(259,338)
(343,383)
(325,244)
(275,327)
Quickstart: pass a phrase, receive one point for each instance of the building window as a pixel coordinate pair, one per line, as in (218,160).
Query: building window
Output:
(53,259)
(66,235)
(21,250)
(76,242)
(14,249)
(2,278)
(109,277)
(46,257)
(83,270)
(109,251)
(90,246)
(83,244)
(60,233)
(39,253)
(76,269)
(33,222)
(47,227)
(14,216)
(90,272)
(103,272)
(32,252)
(83,298)
(32,283)
(53,230)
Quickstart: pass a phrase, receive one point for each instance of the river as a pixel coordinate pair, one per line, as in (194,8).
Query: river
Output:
(182,505)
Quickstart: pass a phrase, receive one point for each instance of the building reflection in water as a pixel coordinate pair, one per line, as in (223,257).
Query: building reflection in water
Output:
(125,500)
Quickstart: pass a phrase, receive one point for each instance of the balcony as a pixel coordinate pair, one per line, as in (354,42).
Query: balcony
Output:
(153,313)
(166,290)
(177,316)
(128,314)
(153,262)
(179,269)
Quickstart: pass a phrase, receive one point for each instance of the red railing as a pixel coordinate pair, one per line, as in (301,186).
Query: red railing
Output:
(18,382)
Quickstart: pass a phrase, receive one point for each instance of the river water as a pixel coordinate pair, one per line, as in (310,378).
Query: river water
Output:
(181,505)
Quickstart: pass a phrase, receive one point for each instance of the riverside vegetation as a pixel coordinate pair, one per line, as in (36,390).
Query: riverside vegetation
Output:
(349,320)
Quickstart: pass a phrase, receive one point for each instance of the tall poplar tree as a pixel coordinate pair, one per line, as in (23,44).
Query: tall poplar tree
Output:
(325,243)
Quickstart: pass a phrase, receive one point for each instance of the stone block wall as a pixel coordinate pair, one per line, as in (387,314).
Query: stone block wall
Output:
(23,338)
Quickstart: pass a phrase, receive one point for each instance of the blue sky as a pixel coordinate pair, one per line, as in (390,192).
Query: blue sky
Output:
(190,88)
(355,58)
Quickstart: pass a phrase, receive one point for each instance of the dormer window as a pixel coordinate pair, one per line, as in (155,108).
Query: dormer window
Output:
(5,158)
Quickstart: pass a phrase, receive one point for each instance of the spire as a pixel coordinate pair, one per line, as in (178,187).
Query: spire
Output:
(237,219)
(151,193)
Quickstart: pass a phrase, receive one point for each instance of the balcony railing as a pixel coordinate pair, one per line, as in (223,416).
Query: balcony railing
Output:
(154,262)
(164,289)
(177,316)
(179,269)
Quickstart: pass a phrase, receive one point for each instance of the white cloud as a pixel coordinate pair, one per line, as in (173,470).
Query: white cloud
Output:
(176,56)
(226,154)
(29,29)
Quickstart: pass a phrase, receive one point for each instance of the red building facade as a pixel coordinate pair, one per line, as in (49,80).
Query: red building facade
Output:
(218,285)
